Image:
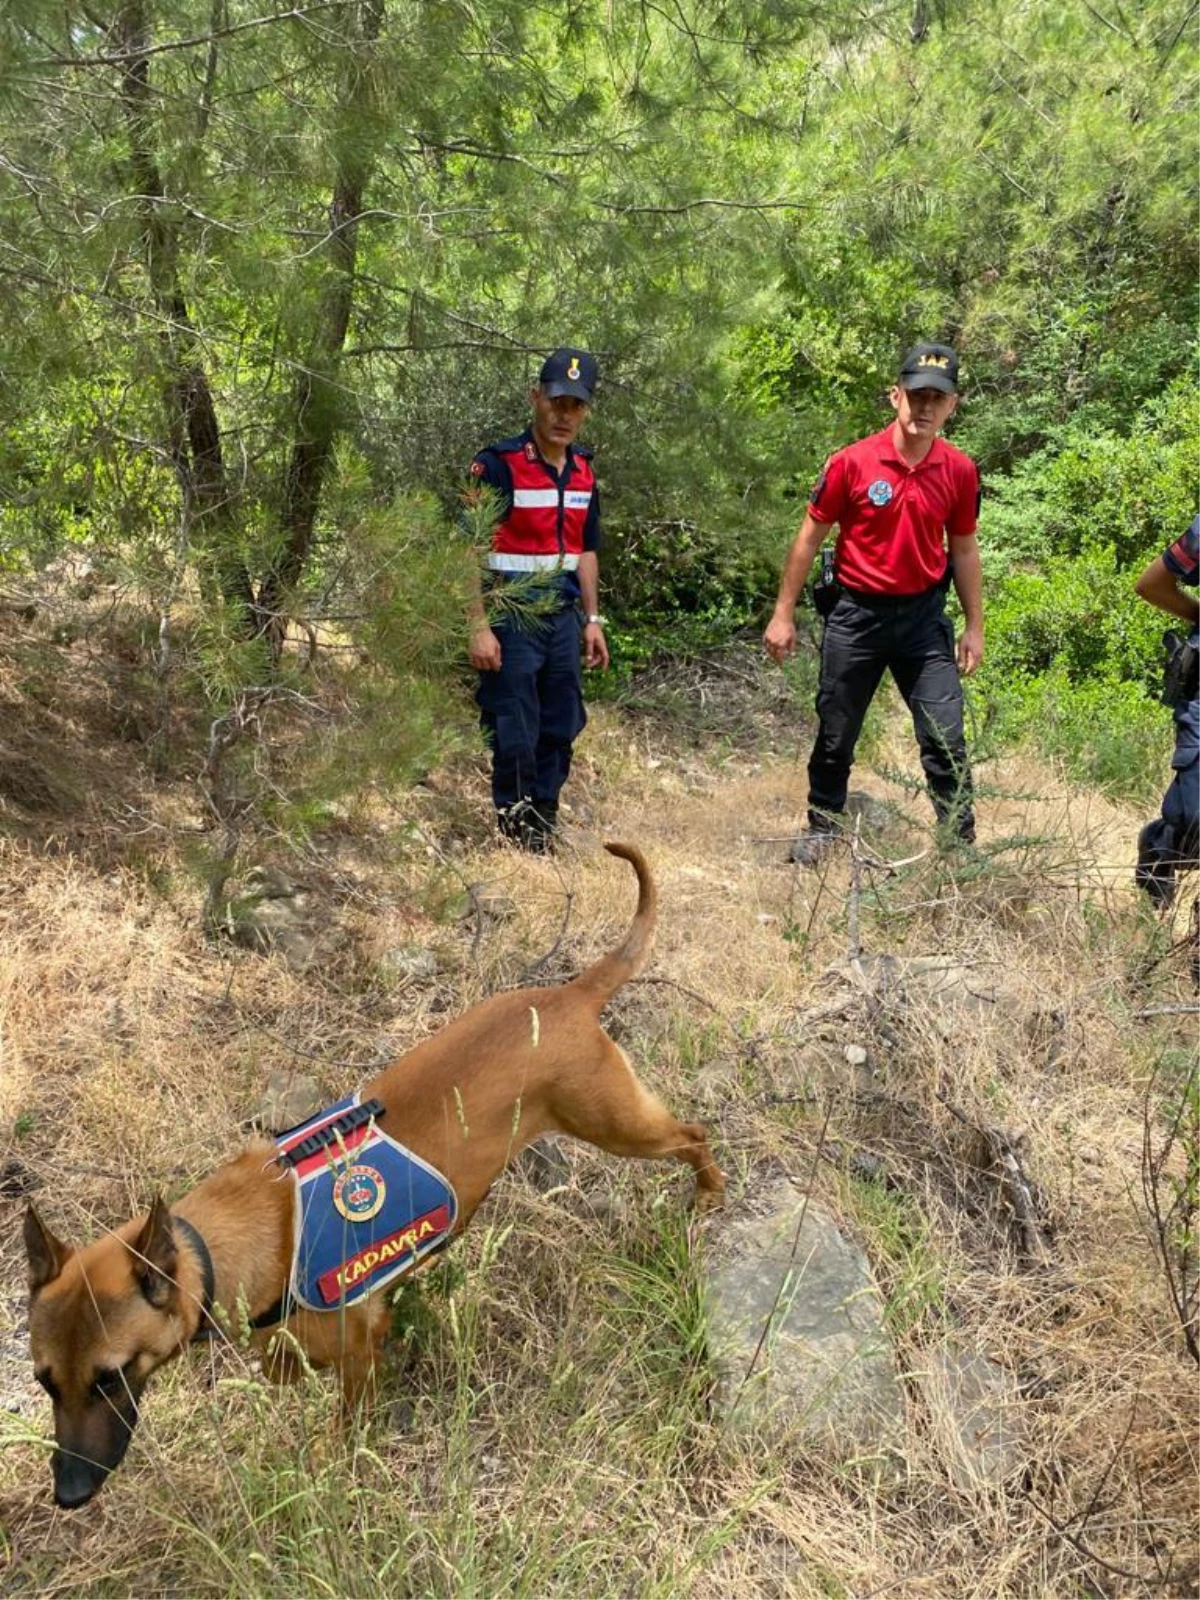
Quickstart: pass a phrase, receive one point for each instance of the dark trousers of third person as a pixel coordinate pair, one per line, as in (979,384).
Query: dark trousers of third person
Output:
(532,710)
(1173,839)
(912,637)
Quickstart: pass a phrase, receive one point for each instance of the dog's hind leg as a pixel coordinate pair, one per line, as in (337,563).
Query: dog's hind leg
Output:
(608,1106)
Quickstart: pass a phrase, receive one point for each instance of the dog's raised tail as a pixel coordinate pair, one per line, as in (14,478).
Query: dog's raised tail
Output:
(605,977)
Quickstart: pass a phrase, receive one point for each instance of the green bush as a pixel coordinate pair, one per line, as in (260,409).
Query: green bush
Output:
(1090,490)
(1106,733)
(1079,619)
(675,589)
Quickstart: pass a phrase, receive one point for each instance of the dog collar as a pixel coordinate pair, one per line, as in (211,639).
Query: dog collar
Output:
(206,1327)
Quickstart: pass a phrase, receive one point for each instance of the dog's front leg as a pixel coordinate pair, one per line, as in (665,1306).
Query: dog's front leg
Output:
(349,1341)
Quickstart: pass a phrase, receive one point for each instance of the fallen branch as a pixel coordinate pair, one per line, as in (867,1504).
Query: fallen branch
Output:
(1018,1189)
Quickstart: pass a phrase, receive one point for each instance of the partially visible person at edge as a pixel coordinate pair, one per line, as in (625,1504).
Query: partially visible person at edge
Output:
(1172,840)
(530,693)
(906,504)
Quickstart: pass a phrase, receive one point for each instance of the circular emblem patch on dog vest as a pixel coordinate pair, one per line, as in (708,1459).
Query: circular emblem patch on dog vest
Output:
(880,492)
(359,1194)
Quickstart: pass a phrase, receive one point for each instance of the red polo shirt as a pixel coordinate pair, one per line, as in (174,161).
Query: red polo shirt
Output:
(893,519)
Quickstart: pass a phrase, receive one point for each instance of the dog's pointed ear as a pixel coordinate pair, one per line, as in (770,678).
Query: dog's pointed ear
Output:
(156,1255)
(45,1253)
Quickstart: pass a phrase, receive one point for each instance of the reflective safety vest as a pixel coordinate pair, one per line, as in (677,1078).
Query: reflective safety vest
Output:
(549,520)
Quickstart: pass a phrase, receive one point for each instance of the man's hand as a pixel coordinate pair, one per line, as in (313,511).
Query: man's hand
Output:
(780,638)
(484,650)
(970,650)
(595,646)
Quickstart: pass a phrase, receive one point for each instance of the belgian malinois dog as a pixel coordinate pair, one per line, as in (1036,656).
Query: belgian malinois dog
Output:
(466,1101)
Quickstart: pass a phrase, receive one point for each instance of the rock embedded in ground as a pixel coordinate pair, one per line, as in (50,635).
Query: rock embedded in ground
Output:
(796,1329)
(407,962)
(975,1416)
(494,906)
(289,1098)
(271,915)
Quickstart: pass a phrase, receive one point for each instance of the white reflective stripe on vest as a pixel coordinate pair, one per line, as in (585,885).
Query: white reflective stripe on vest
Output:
(507,561)
(535,497)
(578,499)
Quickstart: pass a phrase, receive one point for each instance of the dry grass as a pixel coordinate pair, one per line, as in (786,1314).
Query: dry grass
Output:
(549,1428)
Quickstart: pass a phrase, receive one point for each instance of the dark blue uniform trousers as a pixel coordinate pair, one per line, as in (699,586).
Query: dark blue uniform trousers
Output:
(912,637)
(532,709)
(1174,836)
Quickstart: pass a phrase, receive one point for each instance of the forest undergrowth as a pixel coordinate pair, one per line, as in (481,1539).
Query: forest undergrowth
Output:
(548,1424)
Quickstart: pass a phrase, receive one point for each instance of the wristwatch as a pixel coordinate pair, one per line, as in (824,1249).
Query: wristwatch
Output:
(594,616)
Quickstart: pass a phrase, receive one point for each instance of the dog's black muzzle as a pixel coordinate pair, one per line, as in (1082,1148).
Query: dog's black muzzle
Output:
(76,1480)
(80,1465)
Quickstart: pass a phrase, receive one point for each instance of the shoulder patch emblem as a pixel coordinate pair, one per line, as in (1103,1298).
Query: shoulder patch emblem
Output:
(359,1193)
(880,492)
(530,450)
(477,469)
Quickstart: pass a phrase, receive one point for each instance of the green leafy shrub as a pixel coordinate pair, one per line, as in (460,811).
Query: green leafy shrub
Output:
(1103,732)
(677,588)
(1090,490)
(1080,619)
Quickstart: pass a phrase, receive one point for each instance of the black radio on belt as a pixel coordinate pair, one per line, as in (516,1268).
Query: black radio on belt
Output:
(826,590)
(1181,675)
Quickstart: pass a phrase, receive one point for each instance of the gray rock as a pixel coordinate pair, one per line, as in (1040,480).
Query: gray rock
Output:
(493,905)
(269,913)
(289,1098)
(856,1055)
(270,883)
(944,984)
(796,1330)
(546,1164)
(975,1417)
(20,1395)
(406,962)
(875,815)
(273,926)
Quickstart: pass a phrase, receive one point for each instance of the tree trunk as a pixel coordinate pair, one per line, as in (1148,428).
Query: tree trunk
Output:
(317,405)
(193,426)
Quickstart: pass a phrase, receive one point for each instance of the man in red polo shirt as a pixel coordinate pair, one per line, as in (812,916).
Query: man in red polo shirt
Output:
(906,504)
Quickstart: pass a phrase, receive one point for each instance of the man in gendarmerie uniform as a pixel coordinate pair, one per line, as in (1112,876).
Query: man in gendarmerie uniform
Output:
(1171,842)
(530,691)
(906,504)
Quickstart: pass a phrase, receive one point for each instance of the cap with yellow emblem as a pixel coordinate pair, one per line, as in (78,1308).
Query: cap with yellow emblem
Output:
(930,366)
(570,372)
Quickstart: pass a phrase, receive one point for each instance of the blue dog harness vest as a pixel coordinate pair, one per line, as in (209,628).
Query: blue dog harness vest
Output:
(367,1209)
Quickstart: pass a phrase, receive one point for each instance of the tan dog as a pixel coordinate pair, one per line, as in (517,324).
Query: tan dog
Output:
(519,1065)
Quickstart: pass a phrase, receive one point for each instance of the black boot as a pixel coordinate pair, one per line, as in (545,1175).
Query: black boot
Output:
(543,817)
(525,825)
(1154,874)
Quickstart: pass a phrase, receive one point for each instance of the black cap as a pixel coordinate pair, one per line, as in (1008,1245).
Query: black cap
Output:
(568,372)
(930,366)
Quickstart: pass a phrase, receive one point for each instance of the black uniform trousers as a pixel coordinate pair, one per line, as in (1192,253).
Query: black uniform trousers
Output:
(912,637)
